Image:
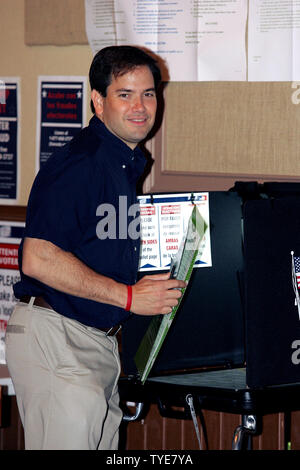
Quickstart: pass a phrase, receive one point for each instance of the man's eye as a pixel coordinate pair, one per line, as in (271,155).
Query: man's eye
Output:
(124,95)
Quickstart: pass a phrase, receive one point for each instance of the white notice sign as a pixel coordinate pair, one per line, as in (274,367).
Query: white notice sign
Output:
(199,40)
(273,42)
(164,221)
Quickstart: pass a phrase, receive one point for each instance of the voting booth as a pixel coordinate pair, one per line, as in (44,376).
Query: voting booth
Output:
(235,341)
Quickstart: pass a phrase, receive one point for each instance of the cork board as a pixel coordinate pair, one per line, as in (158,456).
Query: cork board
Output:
(55,22)
(233,128)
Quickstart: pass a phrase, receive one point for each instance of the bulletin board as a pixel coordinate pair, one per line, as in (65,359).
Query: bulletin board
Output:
(249,128)
(55,22)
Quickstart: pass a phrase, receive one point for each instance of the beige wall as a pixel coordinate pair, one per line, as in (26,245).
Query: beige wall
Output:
(28,62)
(212,134)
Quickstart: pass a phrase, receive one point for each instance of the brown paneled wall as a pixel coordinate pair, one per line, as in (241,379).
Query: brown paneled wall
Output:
(157,433)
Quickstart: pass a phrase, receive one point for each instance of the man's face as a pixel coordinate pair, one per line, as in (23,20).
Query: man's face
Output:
(129,108)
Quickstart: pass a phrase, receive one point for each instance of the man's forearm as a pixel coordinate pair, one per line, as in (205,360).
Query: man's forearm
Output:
(61,270)
(49,264)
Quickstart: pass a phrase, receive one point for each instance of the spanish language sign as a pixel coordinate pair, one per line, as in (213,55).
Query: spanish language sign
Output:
(11,234)
(9,139)
(196,39)
(164,222)
(61,113)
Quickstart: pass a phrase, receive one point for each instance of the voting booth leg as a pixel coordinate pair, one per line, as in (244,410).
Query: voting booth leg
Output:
(242,437)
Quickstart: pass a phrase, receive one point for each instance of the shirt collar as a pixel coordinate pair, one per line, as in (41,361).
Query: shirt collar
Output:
(133,161)
(126,154)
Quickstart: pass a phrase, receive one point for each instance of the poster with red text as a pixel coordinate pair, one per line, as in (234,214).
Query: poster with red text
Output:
(10,237)
(164,220)
(61,113)
(9,139)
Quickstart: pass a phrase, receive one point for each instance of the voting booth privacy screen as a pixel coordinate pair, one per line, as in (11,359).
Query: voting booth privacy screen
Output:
(208,327)
(241,311)
(272,232)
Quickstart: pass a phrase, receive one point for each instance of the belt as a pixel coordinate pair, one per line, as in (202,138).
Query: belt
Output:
(41,302)
(38,301)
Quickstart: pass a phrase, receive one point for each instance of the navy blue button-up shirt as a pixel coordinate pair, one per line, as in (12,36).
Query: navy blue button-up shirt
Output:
(83,200)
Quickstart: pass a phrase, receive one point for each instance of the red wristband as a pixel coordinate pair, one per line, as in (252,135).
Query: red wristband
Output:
(129,298)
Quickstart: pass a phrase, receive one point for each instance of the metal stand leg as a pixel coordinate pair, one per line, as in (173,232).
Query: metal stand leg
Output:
(242,437)
(136,416)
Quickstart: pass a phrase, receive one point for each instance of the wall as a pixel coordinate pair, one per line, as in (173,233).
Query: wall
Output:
(27,62)
(212,134)
(157,433)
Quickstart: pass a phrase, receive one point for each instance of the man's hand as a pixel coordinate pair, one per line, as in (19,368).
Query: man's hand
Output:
(156,294)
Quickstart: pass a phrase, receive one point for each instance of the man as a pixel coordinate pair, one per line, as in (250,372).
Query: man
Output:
(78,277)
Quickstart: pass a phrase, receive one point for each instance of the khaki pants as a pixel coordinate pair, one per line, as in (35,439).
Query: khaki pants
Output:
(65,377)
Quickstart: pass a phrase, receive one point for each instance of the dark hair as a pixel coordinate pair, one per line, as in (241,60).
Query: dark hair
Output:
(118,60)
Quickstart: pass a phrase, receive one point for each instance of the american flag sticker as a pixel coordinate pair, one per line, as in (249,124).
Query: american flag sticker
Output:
(297,269)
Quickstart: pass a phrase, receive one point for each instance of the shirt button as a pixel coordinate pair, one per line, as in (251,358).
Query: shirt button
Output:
(135,248)
(123,166)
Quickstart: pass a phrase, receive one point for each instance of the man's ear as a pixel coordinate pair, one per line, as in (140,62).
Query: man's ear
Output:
(97,100)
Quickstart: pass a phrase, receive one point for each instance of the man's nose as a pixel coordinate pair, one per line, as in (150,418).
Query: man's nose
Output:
(138,104)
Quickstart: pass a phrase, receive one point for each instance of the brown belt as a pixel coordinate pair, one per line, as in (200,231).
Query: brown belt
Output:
(38,301)
(41,302)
